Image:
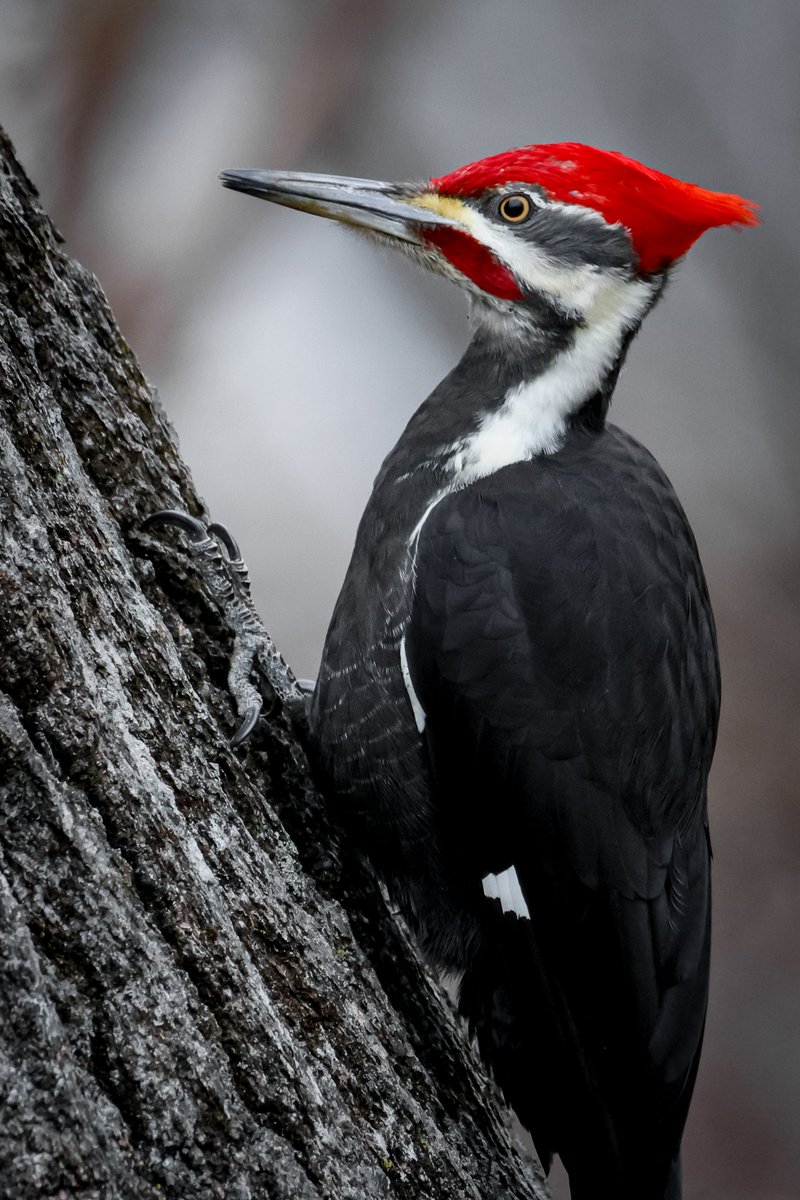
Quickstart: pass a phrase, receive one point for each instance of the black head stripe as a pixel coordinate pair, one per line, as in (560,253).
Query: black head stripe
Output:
(568,234)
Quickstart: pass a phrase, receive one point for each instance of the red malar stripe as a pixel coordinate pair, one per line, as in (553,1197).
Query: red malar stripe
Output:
(475,261)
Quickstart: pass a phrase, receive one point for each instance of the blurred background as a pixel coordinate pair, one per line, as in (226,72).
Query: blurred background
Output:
(289,354)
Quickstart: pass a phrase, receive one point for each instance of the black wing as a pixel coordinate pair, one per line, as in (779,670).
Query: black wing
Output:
(562,647)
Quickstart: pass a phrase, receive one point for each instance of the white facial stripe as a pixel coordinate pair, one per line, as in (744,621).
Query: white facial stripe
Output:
(574,287)
(416,707)
(505,888)
(533,417)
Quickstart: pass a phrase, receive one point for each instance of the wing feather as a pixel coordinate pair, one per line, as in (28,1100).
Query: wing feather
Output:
(562,647)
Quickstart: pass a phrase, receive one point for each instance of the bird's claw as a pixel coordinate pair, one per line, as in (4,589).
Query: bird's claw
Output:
(254,652)
(228,540)
(248,724)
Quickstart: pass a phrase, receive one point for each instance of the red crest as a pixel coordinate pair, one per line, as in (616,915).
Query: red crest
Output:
(664,216)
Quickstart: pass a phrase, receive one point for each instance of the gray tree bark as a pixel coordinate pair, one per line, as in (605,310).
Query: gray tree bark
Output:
(202,993)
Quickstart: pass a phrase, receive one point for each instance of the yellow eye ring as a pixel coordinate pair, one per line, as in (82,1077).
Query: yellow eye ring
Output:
(515,208)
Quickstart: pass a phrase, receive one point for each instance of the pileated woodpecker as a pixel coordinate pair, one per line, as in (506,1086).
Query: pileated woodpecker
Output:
(517,703)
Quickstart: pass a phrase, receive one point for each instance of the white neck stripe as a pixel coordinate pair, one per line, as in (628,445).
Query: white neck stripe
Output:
(533,417)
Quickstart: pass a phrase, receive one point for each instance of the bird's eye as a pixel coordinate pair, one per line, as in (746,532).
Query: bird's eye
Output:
(515,208)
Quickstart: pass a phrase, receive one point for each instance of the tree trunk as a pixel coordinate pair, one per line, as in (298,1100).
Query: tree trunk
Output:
(202,993)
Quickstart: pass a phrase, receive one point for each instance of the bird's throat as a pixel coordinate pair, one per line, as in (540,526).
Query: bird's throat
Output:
(552,370)
(514,396)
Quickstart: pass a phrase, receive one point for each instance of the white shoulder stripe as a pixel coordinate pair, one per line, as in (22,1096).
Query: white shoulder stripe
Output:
(417,530)
(505,888)
(416,707)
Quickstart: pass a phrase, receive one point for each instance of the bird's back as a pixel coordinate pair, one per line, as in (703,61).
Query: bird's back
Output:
(558,637)
(563,648)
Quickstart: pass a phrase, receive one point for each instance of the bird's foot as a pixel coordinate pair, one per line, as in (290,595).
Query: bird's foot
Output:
(254,652)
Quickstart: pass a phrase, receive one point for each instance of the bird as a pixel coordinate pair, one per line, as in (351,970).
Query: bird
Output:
(517,702)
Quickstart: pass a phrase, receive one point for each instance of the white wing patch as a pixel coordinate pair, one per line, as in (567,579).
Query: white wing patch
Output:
(416,707)
(505,888)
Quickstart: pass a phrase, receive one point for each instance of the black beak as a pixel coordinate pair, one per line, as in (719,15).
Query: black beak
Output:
(383,208)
